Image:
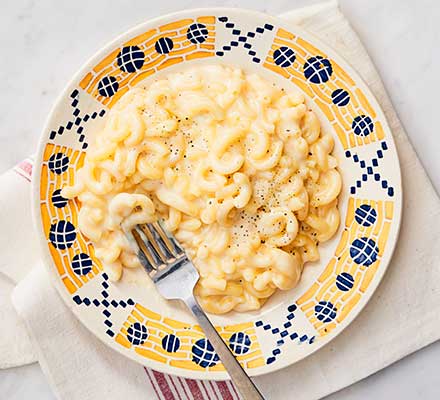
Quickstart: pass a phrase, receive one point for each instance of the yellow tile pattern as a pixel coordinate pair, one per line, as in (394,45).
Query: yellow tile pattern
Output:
(50,215)
(341,118)
(324,289)
(182,50)
(159,327)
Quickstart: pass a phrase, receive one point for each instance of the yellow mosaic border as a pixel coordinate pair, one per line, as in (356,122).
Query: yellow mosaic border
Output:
(324,289)
(183,50)
(339,117)
(49,182)
(158,327)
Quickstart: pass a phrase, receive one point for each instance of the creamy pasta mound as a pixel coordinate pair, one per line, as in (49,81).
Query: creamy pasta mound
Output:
(238,169)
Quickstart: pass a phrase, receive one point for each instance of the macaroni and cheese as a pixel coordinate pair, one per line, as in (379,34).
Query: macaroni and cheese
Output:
(238,169)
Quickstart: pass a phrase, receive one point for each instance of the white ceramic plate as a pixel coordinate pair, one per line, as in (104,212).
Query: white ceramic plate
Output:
(129,316)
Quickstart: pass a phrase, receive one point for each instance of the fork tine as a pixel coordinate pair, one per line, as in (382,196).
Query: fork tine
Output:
(167,239)
(163,254)
(145,243)
(165,248)
(141,251)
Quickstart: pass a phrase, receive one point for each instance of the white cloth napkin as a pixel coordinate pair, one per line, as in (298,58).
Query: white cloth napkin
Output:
(401,318)
(15,215)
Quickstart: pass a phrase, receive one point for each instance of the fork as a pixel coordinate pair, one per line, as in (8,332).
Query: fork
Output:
(175,276)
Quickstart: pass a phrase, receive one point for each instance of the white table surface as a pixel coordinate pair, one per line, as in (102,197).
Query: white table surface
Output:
(42,43)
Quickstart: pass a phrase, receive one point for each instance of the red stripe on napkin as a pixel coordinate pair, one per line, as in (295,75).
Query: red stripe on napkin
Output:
(183,386)
(195,389)
(224,391)
(205,389)
(214,390)
(174,383)
(24,169)
(152,383)
(230,384)
(163,386)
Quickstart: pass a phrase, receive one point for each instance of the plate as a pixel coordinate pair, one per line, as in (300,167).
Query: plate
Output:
(130,316)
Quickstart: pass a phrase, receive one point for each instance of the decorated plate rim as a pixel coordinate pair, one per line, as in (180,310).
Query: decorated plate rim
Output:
(96,57)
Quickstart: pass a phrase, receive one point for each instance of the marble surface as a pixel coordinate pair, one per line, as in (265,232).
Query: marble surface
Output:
(44,42)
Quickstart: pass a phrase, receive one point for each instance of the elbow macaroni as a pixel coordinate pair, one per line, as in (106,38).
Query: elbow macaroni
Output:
(239,171)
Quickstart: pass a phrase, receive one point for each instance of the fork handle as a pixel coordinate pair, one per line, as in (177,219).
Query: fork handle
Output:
(243,383)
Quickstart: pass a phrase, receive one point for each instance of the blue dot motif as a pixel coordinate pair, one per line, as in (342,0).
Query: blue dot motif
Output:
(362,125)
(240,343)
(344,281)
(164,45)
(325,311)
(340,97)
(57,200)
(284,57)
(171,343)
(62,234)
(137,334)
(130,59)
(197,33)
(365,215)
(58,163)
(364,251)
(108,86)
(204,354)
(82,264)
(318,69)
